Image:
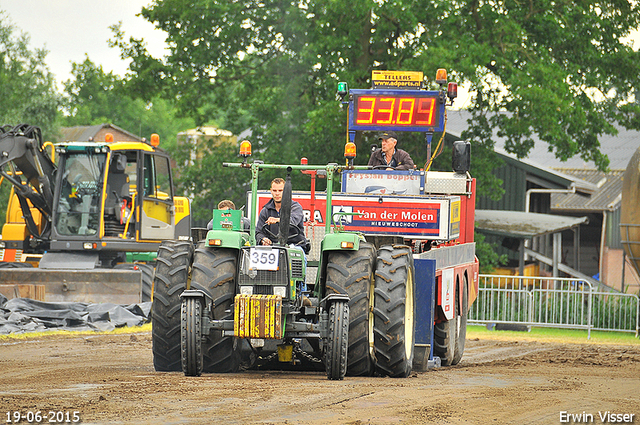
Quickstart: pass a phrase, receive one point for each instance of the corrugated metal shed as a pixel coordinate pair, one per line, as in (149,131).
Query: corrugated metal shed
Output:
(514,183)
(607,196)
(518,175)
(599,194)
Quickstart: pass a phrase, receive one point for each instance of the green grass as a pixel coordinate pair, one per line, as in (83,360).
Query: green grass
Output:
(571,336)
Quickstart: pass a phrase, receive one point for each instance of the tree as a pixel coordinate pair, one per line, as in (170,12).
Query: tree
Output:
(95,97)
(27,90)
(555,69)
(195,176)
(27,86)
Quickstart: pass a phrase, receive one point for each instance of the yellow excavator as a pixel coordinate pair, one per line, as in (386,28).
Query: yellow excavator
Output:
(85,219)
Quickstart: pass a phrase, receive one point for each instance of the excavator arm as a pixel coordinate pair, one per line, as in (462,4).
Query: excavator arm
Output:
(26,165)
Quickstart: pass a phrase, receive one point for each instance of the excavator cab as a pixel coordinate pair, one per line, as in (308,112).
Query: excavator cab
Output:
(89,216)
(119,194)
(97,199)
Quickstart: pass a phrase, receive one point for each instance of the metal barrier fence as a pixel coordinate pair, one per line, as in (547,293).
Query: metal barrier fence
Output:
(553,302)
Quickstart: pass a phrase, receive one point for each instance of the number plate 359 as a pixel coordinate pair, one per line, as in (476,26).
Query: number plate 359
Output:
(263,258)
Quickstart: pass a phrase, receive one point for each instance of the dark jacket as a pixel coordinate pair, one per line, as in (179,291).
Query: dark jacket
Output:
(400,160)
(297,220)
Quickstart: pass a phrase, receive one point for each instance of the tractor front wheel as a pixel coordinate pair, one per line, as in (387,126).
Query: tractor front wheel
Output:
(191,332)
(337,341)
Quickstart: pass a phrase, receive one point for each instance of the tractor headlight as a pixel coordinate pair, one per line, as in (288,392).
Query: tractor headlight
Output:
(280,290)
(246,290)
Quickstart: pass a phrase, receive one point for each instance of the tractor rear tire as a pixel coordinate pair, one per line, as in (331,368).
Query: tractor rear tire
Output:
(461,323)
(337,340)
(170,279)
(394,311)
(351,272)
(215,273)
(191,336)
(147,282)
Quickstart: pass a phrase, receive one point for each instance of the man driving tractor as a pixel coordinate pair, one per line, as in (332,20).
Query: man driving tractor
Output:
(270,217)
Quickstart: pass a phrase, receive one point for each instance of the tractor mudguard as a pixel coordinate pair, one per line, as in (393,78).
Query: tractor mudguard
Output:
(194,293)
(226,239)
(334,241)
(334,297)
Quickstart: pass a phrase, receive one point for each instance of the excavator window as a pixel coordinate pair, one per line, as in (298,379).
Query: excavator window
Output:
(80,196)
(157,183)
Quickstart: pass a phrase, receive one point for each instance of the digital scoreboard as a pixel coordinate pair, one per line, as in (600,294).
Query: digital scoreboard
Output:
(400,110)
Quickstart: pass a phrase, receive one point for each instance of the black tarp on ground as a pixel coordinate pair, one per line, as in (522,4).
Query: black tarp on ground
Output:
(21,315)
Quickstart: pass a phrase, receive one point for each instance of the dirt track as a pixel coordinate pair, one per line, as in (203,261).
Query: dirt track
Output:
(110,379)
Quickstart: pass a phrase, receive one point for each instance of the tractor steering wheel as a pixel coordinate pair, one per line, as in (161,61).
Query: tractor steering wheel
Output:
(293,232)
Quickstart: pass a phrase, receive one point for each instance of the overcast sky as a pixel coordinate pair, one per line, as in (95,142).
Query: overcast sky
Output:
(70,28)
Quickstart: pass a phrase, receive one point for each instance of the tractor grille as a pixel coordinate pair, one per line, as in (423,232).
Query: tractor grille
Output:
(264,277)
(263,290)
(296,269)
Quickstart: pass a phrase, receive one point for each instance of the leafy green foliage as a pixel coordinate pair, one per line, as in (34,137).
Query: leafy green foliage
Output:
(556,70)
(95,97)
(27,90)
(541,69)
(488,258)
(194,177)
(27,86)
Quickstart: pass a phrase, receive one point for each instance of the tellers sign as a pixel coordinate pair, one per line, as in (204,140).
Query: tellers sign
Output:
(415,111)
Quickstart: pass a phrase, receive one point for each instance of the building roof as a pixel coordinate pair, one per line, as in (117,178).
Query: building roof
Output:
(607,197)
(548,177)
(539,173)
(618,148)
(523,225)
(83,133)
(206,131)
(595,190)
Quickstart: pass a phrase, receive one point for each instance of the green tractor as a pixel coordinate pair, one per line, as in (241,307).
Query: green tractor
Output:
(231,301)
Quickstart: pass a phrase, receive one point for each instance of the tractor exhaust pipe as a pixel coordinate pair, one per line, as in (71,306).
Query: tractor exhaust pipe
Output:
(285,211)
